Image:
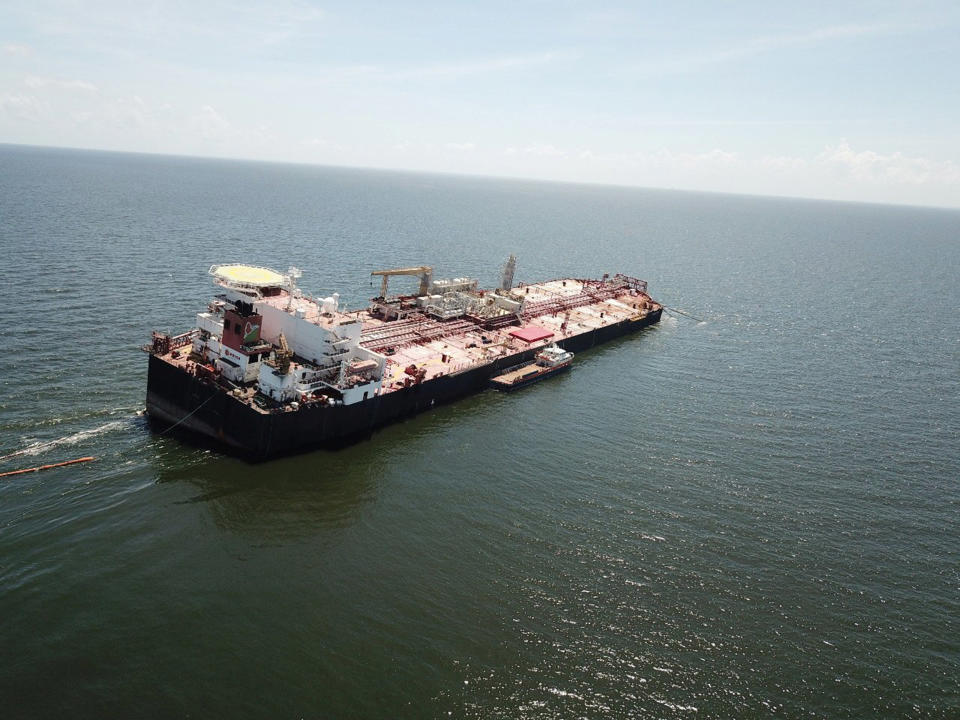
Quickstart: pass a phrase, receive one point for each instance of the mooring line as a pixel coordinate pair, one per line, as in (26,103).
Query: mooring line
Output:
(681,312)
(187,415)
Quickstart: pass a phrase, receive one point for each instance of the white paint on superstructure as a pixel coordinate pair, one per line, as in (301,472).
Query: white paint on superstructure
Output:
(208,322)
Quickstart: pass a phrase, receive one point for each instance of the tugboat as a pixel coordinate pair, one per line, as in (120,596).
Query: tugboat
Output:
(549,361)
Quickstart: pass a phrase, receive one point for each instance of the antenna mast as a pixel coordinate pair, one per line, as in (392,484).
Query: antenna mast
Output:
(293,274)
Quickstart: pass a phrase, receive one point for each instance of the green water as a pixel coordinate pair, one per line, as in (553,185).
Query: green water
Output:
(750,516)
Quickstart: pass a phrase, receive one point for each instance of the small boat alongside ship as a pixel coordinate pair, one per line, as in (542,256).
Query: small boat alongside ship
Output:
(552,360)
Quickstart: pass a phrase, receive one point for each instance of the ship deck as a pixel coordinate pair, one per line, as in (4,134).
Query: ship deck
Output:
(550,304)
(556,310)
(508,378)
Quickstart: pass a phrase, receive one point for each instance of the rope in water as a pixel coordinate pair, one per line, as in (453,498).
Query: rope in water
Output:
(681,312)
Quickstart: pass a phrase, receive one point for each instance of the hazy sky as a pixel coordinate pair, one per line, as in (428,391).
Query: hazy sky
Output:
(844,100)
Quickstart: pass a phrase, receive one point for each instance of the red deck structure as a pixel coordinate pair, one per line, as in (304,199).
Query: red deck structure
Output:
(531,333)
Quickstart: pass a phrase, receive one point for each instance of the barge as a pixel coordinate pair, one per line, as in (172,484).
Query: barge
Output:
(551,360)
(269,370)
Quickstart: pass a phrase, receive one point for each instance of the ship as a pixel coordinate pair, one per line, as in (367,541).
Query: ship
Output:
(551,360)
(269,370)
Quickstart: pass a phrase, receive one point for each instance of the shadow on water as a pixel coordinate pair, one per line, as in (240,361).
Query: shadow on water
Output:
(282,499)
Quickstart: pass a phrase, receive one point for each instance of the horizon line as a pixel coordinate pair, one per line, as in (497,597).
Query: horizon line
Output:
(517,178)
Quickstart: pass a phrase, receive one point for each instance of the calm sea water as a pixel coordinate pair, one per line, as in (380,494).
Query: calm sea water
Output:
(752,515)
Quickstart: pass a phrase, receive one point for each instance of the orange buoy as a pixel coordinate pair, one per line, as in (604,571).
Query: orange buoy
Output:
(47,467)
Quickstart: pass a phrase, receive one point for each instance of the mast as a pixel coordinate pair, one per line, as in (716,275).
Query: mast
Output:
(506,277)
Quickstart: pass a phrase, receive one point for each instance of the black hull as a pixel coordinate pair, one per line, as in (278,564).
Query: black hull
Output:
(180,400)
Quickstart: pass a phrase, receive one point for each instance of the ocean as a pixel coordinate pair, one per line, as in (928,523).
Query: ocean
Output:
(749,512)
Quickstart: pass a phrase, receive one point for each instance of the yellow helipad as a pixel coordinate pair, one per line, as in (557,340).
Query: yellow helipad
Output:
(249,275)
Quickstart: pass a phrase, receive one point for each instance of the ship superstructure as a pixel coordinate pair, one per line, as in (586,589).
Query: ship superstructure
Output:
(261,332)
(268,369)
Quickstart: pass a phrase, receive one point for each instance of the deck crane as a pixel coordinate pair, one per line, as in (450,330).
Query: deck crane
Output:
(425,272)
(281,356)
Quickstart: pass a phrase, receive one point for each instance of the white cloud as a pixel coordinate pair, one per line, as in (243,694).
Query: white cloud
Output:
(211,125)
(658,159)
(893,169)
(783,163)
(461,147)
(770,43)
(316,144)
(710,159)
(21,107)
(129,112)
(39,81)
(284,21)
(16,49)
(832,32)
(544,150)
(482,66)
(243,24)
(838,172)
(446,70)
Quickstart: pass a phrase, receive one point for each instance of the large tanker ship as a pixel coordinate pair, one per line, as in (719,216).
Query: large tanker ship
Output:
(269,370)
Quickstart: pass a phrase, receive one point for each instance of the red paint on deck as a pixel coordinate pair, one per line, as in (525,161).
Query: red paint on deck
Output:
(531,333)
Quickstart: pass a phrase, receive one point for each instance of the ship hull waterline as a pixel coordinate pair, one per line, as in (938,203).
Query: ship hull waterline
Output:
(204,412)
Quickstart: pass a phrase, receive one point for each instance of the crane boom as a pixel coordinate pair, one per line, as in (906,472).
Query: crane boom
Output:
(424,271)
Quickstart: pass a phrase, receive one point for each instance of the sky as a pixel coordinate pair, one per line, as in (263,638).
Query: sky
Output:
(842,100)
